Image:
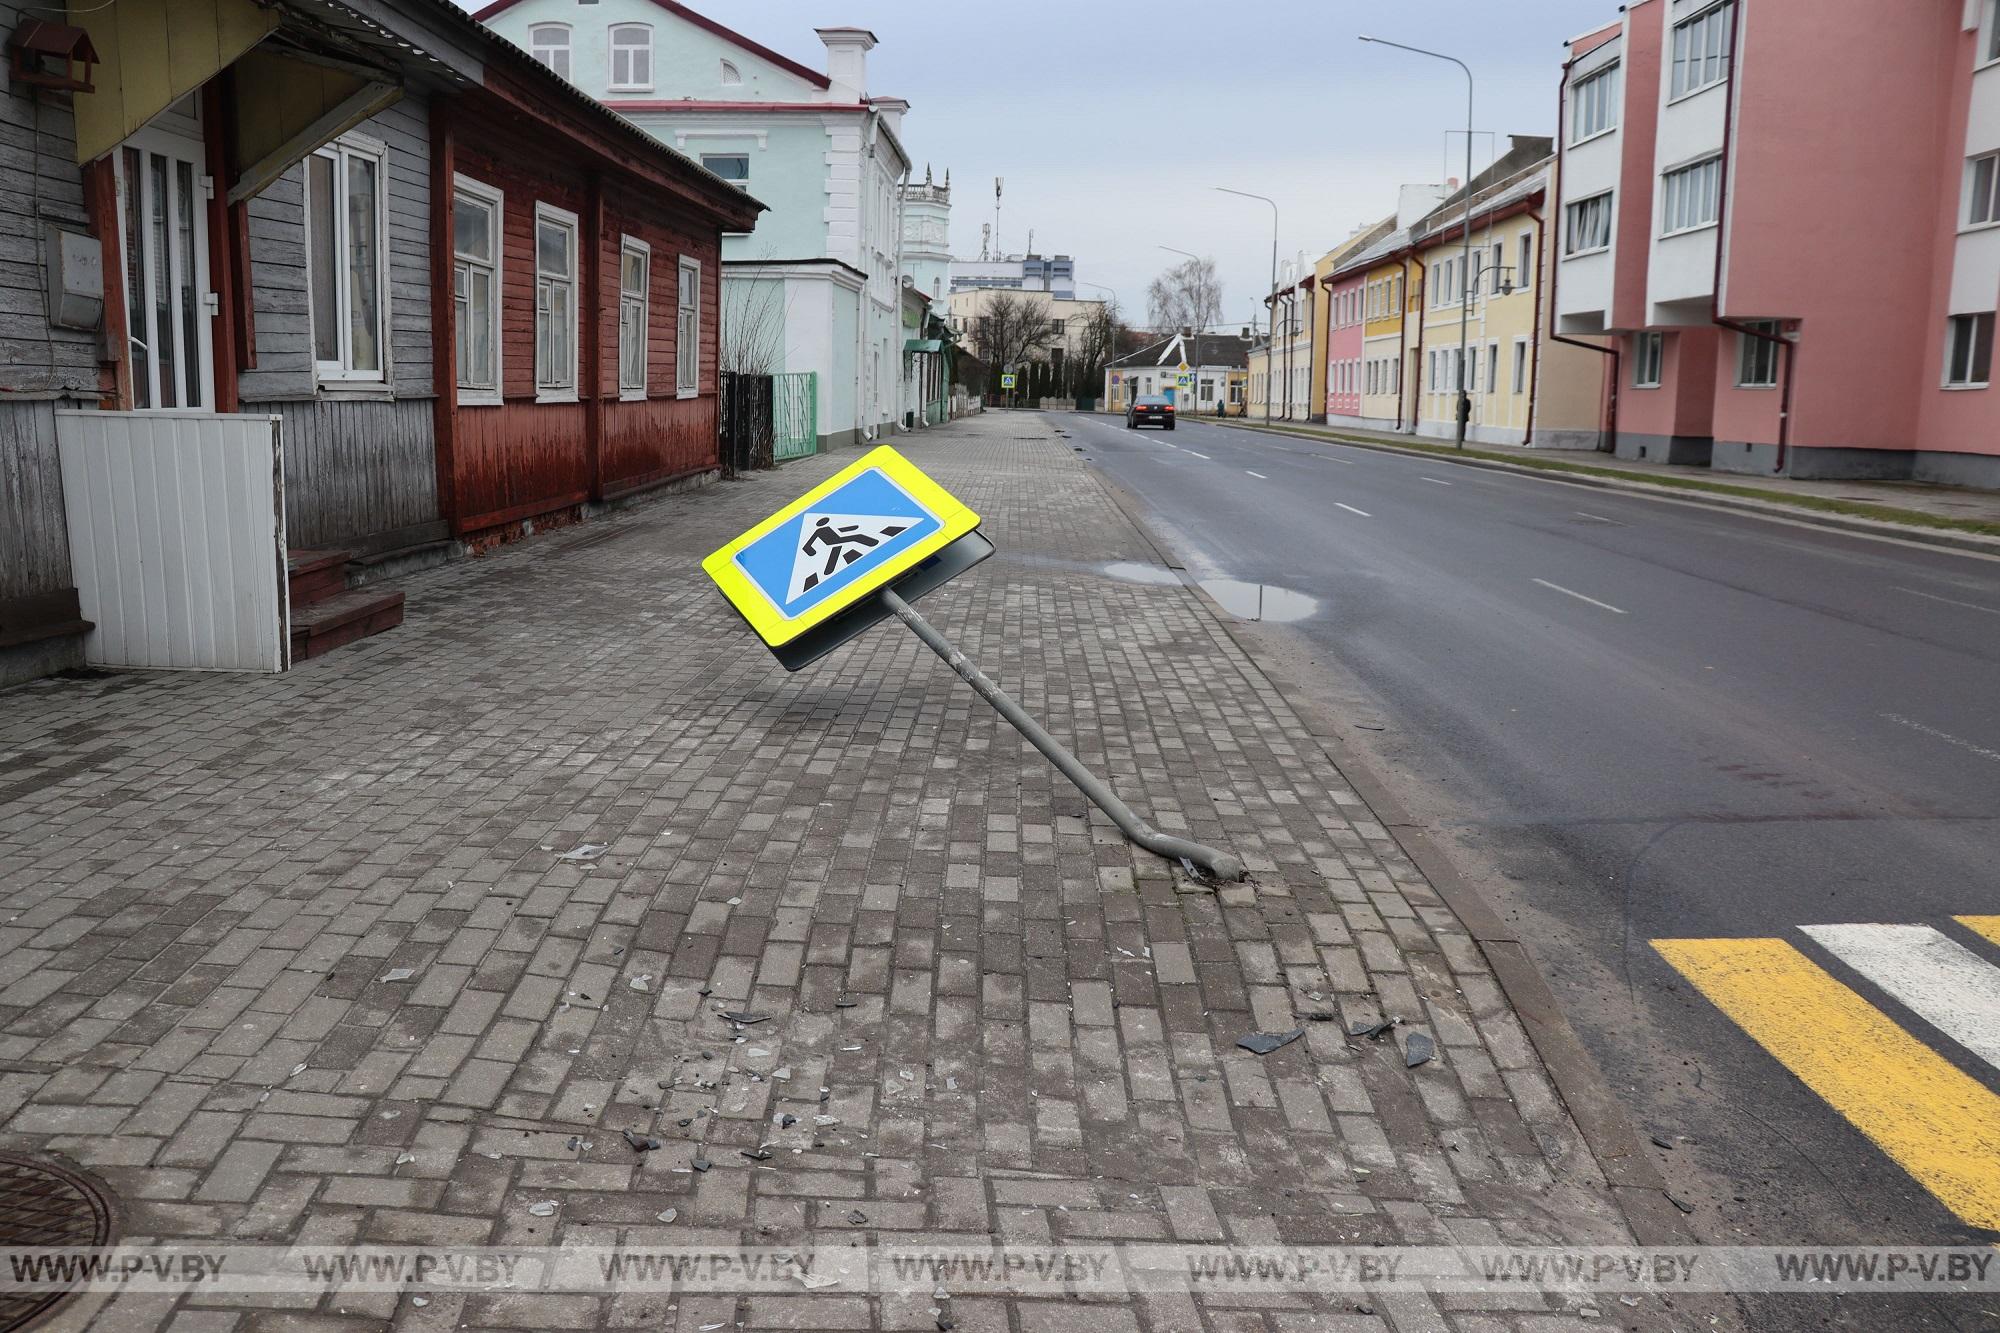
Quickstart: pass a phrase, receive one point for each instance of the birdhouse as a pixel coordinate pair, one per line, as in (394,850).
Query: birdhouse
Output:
(42,54)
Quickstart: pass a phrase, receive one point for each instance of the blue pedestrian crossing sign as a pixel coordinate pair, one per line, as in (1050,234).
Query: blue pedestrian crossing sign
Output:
(837,544)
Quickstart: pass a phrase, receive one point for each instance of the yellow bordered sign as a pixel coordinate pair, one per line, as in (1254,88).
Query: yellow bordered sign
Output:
(861,528)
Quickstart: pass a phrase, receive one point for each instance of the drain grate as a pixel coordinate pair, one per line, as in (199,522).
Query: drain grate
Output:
(45,1205)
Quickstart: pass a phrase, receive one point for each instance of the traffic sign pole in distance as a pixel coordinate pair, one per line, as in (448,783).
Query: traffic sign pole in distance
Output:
(1221,864)
(852,551)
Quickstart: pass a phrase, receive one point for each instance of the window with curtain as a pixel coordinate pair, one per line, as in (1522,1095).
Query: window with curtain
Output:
(475,289)
(635,266)
(1701,51)
(1969,352)
(1593,105)
(346,278)
(631,57)
(1691,196)
(1757,357)
(687,330)
(549,43)
(555,304)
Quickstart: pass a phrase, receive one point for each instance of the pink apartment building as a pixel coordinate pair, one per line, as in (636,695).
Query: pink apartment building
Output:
(1787,213)
(1345,321)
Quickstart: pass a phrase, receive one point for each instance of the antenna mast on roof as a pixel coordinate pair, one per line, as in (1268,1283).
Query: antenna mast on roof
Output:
(998,253)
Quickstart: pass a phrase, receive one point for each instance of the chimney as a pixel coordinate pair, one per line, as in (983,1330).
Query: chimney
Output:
(892,109)
(1246,331)
(847,62)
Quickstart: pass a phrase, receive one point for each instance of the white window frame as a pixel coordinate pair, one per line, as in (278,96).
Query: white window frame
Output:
(1718,15)
(731,76)
(1520,380)
(687,329)
(1745,343)
(1524,258)
(1969,218)
(1691,196)
(1649,360)
(339,373)
(548,390)
(1571,210)
(630,390)
(1493,367)
(1595,92)
(1989,34)
(613,49)
(1951,328)
(556,57)
(481,396)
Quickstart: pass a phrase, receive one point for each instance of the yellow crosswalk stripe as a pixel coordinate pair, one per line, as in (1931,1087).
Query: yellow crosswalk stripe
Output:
(1989,926)
(1939,1125)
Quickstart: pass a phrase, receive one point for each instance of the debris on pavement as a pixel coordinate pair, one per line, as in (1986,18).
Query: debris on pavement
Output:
(1418,1050)
(1263,1043)
(669,1214)
(1372,1031)
(640,1142)
(588,851)
(736,1017)
(399,974)
(546,1208)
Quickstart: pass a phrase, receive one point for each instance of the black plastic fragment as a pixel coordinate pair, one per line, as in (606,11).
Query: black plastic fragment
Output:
(1263,1043)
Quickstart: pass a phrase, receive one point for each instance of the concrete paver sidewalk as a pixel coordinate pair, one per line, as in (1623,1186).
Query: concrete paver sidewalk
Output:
(1023,1027)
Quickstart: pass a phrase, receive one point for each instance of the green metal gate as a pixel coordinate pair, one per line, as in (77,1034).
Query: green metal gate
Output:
(794,415)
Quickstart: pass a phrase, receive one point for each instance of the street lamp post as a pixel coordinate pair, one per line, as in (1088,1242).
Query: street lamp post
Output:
(1271,343)
(1465,261)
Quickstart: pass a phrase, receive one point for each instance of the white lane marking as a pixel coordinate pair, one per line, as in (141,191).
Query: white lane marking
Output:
(1170,444)
(1596,518)
(1202,457)
(1953,601)
(1571,592)
(1434,481)
(1352,510)
(1944,736)
(1940,980)
(1258,475)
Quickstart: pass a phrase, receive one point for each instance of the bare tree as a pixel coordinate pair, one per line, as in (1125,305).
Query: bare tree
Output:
(1100,337)
(1011,331)
(1188,295)
(752,336)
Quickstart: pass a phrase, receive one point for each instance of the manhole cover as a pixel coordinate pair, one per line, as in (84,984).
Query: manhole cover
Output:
(45,1205)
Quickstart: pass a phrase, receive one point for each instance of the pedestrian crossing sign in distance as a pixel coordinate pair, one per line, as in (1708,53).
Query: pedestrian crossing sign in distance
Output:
(837,544)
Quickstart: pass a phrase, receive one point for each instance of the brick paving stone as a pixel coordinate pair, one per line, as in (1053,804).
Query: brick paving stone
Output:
(1023,1026)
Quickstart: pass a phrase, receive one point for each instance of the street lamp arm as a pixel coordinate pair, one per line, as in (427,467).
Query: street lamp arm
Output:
(1436,55)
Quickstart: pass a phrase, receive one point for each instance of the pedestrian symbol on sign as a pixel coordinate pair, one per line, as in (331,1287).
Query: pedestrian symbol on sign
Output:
(834,540)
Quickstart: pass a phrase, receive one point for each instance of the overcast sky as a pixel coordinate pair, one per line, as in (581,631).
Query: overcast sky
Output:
(1110,119)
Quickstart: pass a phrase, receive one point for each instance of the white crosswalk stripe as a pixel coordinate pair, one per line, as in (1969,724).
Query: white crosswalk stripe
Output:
(1937,978)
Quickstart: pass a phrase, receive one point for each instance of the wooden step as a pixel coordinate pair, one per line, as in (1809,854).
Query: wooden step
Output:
(315,576)
(325,625)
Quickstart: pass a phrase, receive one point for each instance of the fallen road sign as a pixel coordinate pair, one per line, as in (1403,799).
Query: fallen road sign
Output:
(836,545)
(857,549)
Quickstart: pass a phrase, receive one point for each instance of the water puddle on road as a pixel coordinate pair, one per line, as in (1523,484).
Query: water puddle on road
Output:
(1260,601)
(1131,571)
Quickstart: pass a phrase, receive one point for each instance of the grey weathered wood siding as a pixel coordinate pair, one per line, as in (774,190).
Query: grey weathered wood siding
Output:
(40,183)
(278,267)
(358,464)
(34,540)
(356,470)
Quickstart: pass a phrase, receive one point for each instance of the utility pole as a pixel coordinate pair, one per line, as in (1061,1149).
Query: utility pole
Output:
(1465,247)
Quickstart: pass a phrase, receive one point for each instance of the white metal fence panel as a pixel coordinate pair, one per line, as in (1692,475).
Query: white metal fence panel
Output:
(177,538)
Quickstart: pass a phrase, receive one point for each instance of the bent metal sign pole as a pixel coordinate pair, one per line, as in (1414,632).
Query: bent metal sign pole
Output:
(860,547)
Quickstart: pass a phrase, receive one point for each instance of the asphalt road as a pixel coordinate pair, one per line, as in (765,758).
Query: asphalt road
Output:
(1632,720)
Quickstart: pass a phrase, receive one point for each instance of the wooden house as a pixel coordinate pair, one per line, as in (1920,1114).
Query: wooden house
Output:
(344,284)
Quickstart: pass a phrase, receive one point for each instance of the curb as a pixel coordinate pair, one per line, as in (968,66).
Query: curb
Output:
(1867,527)
(1635,1183)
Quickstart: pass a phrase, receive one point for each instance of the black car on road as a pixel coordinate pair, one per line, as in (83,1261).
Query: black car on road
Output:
(1150,410)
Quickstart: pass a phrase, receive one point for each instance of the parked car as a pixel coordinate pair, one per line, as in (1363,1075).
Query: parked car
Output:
(1150,410)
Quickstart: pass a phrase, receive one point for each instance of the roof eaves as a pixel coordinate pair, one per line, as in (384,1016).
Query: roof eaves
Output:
(707,24)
